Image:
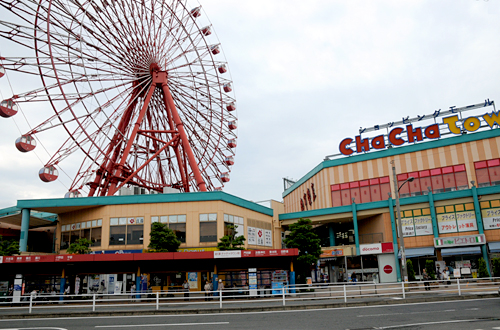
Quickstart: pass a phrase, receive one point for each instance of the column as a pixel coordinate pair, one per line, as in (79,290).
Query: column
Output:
(138,287)
(394,238)
(63,285)
(331,235)
(292,278)
(480,226)
(355,223)
(433,214)
(25,227)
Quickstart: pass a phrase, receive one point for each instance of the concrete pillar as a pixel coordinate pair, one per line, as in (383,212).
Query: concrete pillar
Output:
(394,238)
(480,226)
(331,235)
(435,228)
(25,226)
(355,223)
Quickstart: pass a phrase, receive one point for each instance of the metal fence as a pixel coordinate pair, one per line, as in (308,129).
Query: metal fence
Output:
(328,293)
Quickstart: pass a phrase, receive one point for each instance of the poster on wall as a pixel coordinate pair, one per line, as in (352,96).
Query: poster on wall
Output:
(268,240)
(491,218)
(408,227)
(251,235)
(423,225)
(260,236)
(447,223)
(193,280)
(466,221)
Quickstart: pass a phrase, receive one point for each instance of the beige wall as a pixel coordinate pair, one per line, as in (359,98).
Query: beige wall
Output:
(192,210)
(465,153)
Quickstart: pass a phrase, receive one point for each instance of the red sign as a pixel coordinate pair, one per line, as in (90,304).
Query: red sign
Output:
(387,269)
(387,247)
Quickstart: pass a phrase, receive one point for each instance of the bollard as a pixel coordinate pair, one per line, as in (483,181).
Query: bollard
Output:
(93,302)
(403,287)
(31,302)
(458,285)
(345,294)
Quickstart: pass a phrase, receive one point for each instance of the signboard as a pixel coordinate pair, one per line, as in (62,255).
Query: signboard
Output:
(252,240)
(227,254)
(447,223)
(328,253)
(491,218)
(416,226)
(453,123)
(252,281)
(466,221)
(408,227)
(446,242)
(268,238)
(377,248)
(193,280)
(260,236)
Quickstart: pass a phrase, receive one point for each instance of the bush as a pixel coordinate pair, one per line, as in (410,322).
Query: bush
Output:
(496,267)
(482,270)
(410,270)
(431,268)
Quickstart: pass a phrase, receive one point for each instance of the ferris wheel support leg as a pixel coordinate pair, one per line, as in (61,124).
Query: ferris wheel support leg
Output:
(112,187)
(184,139)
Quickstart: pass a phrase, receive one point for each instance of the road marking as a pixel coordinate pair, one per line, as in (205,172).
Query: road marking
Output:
(157,325)
(472,309)
(426,323)
(46,328)
(426,312)
(245,313)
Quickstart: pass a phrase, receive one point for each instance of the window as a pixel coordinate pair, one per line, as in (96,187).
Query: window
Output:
(237,222)
(177,223)
(90,230)
(125,230)
(364,191)
(439,180)
(208,227)
(488,173)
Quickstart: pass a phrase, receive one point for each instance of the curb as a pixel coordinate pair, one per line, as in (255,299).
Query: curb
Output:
(250,309)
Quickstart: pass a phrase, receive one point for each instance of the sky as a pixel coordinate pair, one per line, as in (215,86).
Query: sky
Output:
(308,74)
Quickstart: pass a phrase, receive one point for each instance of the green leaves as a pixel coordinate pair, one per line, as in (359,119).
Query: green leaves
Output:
(231,241)
(80,246)
(8,247)
(162,239)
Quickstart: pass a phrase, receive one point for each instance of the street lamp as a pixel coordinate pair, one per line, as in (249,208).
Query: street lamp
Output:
(400,227)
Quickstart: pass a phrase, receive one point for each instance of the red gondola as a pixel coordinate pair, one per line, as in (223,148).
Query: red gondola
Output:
(232,143)
(225,177)
(48,173)
(227,88)
(233,125)
(8,108)
(25,143)
(207,30)
(73,194)
(229,160)
(215,49)
(222,68)
(231,106)
(196,12)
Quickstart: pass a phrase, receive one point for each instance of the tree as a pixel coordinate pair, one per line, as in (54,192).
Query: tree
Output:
(430,266)
(231,241)
(482,270)
(162,239)
(305,239)
(80,246)
(411,271)
(8,247)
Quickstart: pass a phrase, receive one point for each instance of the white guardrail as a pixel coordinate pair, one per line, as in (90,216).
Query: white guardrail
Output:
(330,292)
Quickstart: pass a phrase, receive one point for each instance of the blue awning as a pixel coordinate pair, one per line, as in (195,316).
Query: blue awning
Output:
(494,247)
(461,251)
(418,252)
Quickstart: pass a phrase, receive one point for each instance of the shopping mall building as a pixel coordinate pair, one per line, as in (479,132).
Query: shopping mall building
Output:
(447,172)
(450,211)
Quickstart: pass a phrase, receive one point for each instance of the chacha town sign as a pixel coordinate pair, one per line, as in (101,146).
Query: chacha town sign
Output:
(452,124)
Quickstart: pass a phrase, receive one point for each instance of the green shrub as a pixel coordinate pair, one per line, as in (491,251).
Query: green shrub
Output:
(482,270)
(410,270)
(496,267)
(431,268)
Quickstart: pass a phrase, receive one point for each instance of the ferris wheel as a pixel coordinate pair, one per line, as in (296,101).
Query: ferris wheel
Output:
(140,88)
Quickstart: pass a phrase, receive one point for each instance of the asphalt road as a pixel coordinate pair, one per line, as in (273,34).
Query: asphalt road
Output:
(457,315)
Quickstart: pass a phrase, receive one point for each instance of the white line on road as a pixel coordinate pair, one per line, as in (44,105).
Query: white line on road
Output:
(245,313)
(426,312)
(43,328)
(157,325)
(426,323)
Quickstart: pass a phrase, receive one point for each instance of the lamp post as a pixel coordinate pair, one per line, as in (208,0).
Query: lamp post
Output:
(400,227)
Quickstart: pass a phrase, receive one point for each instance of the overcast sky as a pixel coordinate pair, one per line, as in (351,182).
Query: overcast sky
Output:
(308,74)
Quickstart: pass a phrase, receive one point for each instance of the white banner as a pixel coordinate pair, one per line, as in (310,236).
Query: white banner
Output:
(268,238)
(447,223)
(466,221)
(491,218)
(260,236)
(227,254)
(408,227)
(251,235)
(423,225)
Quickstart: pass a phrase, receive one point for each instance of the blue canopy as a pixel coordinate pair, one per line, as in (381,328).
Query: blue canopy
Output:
(461,251)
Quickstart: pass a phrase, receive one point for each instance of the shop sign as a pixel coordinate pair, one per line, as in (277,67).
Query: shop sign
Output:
(198,249)
(1,259)
(252,240)
(227,254)
(388,269)
(377,248)
(332,253)
(491,218)
(460,241)
(453,124)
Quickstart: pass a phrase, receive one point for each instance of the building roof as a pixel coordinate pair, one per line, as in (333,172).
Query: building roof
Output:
(394,151)
(63,205)
(12,216)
